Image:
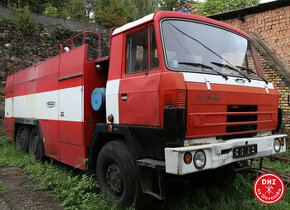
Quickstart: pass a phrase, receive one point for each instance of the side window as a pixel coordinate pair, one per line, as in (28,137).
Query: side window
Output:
(154,63)
(137,52)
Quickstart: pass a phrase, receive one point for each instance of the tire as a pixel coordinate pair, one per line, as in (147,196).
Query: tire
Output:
(35,147)
(22,138)
(117,174)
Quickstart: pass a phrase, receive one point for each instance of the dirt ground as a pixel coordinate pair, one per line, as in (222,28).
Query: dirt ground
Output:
(18,196)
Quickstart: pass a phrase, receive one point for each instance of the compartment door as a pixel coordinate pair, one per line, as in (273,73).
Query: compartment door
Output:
(71,105)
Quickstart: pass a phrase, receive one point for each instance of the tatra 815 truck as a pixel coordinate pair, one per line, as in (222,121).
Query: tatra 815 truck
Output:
(178,94)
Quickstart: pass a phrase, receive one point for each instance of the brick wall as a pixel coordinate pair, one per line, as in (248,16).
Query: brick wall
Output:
(273,76)
(273,26)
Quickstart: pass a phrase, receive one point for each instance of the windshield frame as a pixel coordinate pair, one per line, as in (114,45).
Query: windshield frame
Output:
(259,70)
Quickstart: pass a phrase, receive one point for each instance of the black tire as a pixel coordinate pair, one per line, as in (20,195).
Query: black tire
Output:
(22,138)
(117,174)
(35,148)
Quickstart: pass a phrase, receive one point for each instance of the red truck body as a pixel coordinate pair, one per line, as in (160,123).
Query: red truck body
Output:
(68,80)
(161,114)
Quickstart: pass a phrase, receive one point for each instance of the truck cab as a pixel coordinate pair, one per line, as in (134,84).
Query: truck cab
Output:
(190,94)
(198,79)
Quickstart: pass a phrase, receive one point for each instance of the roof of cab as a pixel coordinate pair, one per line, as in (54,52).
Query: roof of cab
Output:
(171,14)
(127,26)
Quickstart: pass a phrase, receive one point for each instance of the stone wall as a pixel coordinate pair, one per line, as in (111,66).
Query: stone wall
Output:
(16,47)
(271,22)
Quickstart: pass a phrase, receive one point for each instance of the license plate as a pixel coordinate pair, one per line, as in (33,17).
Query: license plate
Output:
(243,151)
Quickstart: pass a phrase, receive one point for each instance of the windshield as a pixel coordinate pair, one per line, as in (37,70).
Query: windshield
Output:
(194,47)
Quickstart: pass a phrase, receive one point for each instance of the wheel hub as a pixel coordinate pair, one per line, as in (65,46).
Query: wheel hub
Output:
(114,179)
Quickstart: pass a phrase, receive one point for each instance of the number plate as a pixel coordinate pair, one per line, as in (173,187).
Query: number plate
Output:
(243,151)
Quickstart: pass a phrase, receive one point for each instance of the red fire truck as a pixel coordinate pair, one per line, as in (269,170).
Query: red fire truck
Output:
(178,94)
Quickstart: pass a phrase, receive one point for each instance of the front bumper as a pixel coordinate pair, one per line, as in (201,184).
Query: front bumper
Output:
(215,157)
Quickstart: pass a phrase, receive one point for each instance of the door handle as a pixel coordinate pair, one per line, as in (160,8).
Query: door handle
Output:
(123,96)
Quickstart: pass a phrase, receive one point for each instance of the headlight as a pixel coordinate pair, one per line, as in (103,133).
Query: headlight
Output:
(277,145)
(199,159)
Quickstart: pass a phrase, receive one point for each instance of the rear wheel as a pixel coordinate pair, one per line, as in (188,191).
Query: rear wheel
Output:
(117,173)
(35,148)
(22,138)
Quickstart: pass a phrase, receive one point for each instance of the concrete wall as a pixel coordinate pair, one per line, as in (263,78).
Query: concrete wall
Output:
(65,23)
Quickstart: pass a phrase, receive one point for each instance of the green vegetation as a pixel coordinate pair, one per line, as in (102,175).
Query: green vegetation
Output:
(210,195)
(170,4)
(50,10)
(210,7)
(287,153)
(112,13)
(77,190)
(76,10)
(118,12)
(36,6)
(24,22)
(2,189)
(277,165)
(74,189)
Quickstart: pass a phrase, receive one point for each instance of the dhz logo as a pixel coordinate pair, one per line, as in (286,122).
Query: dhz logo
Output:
(208,97)
(51,104)
(269,188)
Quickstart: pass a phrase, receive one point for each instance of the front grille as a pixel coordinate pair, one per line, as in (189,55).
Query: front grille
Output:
(240,128)
(242,108)
(241,118)
(238,116)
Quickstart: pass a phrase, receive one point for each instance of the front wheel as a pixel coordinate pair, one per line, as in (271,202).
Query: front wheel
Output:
(117,174)
(35,147)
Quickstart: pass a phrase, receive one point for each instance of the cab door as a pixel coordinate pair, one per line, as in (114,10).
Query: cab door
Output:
(139,85)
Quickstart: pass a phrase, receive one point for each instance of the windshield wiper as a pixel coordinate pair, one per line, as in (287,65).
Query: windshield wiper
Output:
(232,68)
(229,65)
(203,66)
(252,71)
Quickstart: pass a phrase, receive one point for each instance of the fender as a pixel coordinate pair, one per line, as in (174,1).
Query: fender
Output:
(142,141)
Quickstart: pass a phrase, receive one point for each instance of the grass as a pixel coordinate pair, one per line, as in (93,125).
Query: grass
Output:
(2,189)
(79,191)
(277,165)
(287,153)
(76,191)
(239,195)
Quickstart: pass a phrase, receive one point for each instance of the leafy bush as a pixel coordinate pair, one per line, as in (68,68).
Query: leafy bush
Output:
(111,13)
(50,10)
(24,21)
(76,10)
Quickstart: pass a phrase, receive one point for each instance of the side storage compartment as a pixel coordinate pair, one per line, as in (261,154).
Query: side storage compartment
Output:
(71,105)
